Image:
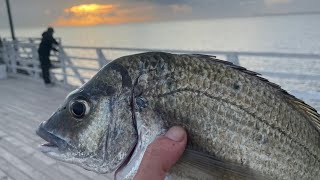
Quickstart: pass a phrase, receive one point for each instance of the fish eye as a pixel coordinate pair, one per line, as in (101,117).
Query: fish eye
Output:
(79,108)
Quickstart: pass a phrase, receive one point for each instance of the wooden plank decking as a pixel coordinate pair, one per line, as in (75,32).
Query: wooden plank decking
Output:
(23,105)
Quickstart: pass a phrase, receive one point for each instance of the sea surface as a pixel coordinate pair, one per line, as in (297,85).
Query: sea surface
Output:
(287,34)
(296,33)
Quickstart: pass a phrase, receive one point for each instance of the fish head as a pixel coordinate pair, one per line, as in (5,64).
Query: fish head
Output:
(94,127)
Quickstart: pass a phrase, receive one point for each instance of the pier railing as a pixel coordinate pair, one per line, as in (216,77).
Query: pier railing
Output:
(74,65)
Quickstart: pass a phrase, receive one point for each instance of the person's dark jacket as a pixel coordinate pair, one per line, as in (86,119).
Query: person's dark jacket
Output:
(46,44)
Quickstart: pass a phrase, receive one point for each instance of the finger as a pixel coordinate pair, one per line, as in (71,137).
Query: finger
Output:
(162,154)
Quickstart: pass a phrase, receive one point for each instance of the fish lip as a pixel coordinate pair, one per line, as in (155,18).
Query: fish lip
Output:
(54,141)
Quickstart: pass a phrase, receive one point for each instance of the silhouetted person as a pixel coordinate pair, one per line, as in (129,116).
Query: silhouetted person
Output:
(46,45)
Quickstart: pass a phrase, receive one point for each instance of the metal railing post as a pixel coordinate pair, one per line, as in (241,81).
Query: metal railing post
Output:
(71,65)
(35,60)
(101,58)
(233,57)
(63,65)
(3,52)
(13,57)
(31,40)
(6,50)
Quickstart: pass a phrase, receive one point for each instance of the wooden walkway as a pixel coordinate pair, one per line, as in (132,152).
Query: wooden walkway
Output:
(23,105)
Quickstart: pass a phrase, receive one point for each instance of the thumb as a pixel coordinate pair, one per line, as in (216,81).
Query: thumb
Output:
(162,154)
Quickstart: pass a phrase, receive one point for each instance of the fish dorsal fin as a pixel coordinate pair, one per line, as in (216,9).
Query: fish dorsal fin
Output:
(209,167)
(309,112)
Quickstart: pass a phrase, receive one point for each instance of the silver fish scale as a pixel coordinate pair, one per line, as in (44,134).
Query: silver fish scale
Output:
(230,114)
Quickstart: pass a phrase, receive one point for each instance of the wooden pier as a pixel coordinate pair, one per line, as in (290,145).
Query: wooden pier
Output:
(24,103)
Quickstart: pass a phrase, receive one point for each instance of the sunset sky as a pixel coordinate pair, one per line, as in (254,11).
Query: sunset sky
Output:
(35,13)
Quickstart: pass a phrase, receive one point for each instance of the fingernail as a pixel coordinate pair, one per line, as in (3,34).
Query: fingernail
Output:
(176,133)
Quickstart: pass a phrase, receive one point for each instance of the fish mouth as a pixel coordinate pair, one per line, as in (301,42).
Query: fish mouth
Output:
(54,143)
(59,149)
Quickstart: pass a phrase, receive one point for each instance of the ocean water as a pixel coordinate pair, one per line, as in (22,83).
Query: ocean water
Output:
(274,33)
(289,34)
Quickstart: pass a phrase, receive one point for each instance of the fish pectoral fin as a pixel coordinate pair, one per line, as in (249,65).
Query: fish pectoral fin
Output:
(208,167)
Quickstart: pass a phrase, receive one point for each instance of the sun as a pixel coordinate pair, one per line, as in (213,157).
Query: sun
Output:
(89,8)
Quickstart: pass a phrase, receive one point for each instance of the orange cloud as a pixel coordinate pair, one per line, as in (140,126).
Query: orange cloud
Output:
(94,14)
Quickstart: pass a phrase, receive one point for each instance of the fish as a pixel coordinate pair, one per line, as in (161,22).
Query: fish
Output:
(240,125)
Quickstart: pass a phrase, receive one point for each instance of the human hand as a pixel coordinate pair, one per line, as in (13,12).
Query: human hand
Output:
(162,154)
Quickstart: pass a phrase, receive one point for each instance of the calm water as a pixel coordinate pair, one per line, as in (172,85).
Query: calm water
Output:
(278,33)
(292,34)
